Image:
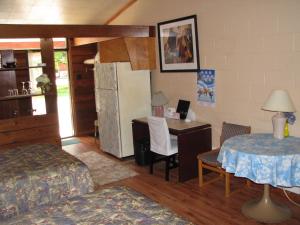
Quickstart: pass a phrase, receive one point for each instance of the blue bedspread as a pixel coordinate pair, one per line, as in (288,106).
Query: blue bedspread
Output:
(39,174)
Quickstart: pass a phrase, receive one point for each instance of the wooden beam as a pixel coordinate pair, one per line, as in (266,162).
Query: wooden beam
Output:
(90,40)
(47,53)
(121,10)
(71,31)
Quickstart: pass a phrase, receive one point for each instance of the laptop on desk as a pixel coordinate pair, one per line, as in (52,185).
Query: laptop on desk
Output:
(183,108)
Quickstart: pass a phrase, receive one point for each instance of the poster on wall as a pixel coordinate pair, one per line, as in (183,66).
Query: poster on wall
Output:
(206,87)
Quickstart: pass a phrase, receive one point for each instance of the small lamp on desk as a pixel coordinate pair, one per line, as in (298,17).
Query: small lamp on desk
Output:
(158,101)
(279,101)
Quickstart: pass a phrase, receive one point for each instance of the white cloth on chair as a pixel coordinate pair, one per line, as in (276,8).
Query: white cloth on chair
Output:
(161,141)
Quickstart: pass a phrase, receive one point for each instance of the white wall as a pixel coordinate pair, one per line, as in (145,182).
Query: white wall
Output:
(254,46)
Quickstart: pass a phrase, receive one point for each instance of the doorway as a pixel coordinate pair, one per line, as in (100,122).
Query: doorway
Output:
(64,104)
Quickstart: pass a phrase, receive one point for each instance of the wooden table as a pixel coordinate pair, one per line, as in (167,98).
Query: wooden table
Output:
(193,138)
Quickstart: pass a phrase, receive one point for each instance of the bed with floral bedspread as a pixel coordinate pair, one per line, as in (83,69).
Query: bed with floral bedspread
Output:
(39,174)
(116,205)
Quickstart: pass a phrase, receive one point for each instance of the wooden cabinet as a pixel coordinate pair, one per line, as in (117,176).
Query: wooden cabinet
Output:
(21,127)
(140,52)
(12,78)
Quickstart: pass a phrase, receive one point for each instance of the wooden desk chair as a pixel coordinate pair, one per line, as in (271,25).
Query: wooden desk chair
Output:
(208,160)
(162,146)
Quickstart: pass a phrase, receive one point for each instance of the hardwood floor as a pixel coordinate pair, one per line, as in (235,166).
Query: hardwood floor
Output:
(205,206)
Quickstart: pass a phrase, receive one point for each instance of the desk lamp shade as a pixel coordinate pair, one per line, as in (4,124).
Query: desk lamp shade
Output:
(279,101)
(158,101)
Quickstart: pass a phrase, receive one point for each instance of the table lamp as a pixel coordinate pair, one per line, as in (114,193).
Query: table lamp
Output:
(158,101)
(279,101)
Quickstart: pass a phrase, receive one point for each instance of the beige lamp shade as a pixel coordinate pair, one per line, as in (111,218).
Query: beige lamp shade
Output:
(159,99)
(279,101)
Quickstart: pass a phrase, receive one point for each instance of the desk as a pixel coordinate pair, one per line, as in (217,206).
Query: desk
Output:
(193,138)
(264,160)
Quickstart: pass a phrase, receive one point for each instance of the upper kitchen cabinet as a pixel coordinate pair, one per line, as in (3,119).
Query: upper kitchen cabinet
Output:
(139,51)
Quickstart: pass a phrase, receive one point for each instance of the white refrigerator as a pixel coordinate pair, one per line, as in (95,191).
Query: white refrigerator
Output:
(121,96)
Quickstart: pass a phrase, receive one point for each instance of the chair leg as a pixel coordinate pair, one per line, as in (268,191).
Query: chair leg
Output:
(227,184)
(200,172)
(95,133)
(151,162)
(167,168)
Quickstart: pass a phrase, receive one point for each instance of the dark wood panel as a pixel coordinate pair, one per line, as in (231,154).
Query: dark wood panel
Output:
(8,78)
(20,136)
(82,88)
(84,71)
(9,109)
(70,31)
(29,129)
(49,140)
(13,79)
(85,82)
(84,114)
(80,58)
(85,98)
(84,50)
(25,105)
(21,123)
(7,81)
(80,74)
(84,125)
(190,144)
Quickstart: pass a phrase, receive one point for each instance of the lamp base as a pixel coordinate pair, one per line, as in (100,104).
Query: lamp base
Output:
(158,111)
(278,121)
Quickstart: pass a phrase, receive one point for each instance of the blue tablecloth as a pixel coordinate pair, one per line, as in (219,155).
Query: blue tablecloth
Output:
(263,159)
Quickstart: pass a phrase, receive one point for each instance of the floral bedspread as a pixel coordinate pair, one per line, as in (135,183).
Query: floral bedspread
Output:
(116,205)
(40,174)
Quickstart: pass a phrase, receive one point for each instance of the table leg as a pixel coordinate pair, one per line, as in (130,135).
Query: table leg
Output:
(265,210)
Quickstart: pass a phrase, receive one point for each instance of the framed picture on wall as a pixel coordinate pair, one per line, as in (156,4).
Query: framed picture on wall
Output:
(178,45)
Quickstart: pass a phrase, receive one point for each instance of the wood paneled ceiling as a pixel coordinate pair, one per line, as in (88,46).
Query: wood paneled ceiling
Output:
(59,11)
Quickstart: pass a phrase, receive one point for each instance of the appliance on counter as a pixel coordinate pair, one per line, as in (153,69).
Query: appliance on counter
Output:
(121,96)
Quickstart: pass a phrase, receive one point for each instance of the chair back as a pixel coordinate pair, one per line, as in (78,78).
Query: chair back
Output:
(160,141)
(230,130)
